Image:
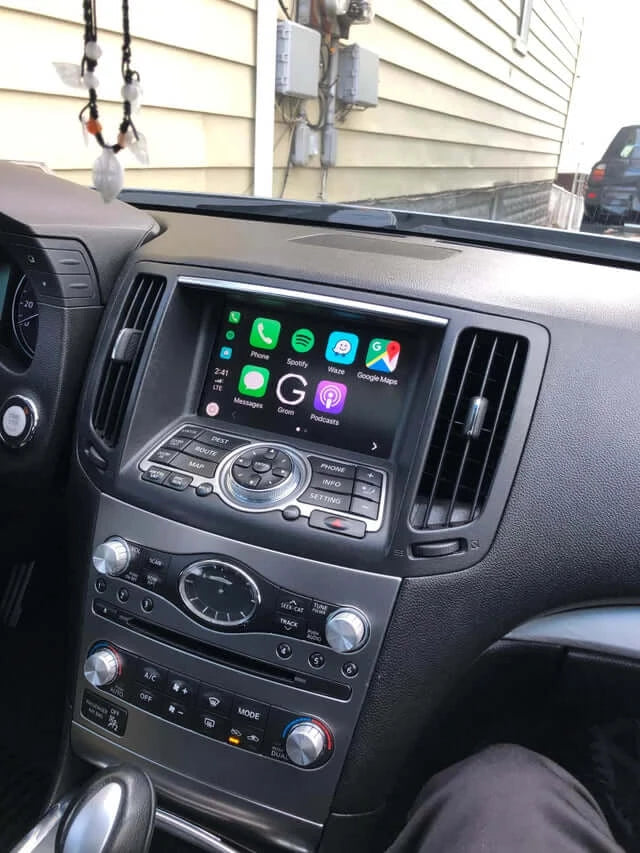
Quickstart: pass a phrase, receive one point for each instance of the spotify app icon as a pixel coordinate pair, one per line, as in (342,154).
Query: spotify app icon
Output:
(303,340)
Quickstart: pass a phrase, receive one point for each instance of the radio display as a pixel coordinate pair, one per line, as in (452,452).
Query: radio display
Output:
(324,376)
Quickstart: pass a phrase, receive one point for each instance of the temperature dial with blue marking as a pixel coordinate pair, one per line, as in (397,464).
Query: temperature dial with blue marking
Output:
(307,741)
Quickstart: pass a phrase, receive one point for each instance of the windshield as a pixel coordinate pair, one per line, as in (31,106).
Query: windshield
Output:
(519,111)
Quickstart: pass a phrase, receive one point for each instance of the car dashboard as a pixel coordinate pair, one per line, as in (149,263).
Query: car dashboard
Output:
(315,472)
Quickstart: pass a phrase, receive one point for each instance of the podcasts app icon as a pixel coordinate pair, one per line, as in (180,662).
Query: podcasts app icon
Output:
(330,397)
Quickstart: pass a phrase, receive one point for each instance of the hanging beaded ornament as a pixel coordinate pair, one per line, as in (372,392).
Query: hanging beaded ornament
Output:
(108,174)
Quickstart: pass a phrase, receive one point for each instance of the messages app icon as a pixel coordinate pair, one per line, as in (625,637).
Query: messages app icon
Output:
(342,347)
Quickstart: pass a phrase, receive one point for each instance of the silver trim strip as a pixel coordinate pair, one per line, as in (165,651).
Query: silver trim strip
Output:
(42,838)
(321,299)
(604,629)
(187,831)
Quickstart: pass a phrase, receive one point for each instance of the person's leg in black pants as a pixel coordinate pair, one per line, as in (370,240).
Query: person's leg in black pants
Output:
(505,799)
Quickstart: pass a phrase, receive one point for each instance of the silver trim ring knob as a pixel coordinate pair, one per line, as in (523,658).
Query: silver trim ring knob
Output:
(112,557)
(102,667)
(305,744)
(347,630)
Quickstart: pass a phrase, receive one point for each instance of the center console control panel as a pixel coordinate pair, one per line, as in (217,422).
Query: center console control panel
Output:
(224,595)
(336,496)
(209,710)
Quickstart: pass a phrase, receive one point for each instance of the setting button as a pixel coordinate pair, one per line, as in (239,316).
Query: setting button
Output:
(332,467)
(332,484)
(329,500)
(245,712)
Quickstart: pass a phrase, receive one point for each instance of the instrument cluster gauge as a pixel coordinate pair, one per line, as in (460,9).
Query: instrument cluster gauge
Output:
(219,593)
(25,317)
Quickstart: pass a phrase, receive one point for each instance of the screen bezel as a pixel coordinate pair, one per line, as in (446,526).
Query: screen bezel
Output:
(277,298)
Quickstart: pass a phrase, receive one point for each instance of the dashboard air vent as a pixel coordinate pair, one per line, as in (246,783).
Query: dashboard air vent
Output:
(119,373)
(471,428)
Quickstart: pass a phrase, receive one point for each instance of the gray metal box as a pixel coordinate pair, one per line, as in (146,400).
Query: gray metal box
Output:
(297,60)
(358,72)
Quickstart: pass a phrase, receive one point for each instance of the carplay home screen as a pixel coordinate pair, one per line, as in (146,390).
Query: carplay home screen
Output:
(315,375)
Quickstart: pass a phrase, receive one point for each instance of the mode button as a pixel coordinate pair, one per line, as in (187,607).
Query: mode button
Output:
(250,712)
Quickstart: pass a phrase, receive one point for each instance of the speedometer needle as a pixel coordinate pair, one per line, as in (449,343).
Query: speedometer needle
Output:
(26,319)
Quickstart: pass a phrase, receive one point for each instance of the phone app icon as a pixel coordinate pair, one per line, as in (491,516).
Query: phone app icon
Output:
(265,333)
(383,355)
(235,317)
(342,347)
(226,353)
(330,397)
(303,340)
(253,381)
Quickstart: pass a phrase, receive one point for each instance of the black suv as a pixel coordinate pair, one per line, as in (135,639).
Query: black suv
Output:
(613,189)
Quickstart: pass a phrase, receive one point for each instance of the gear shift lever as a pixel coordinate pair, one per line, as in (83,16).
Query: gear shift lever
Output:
(114,813)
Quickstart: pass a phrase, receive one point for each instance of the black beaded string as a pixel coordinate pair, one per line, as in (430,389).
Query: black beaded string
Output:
(89,65)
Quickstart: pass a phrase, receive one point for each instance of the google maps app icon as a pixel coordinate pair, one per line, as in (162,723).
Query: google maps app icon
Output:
(383,355)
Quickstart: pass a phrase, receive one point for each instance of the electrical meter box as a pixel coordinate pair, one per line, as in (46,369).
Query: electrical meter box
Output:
(297,60)
(358,72)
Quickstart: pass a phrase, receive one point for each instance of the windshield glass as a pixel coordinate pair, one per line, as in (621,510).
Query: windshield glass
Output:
(519,111)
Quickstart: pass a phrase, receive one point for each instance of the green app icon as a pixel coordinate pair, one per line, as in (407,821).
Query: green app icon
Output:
(265,333)
(230,336)
(235,317)
(253,381)
(303,340)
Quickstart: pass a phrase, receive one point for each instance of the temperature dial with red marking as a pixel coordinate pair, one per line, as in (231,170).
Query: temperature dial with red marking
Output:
(307,741)
(103,666)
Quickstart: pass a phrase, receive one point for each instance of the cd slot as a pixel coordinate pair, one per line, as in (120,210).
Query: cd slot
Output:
(309,683)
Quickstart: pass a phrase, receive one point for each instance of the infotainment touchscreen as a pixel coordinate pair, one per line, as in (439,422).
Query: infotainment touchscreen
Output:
(325,376)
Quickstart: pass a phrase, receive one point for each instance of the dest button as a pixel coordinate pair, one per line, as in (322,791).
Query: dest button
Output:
(336,524)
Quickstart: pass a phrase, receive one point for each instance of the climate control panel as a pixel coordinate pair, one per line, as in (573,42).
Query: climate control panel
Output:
(225,595)
(238,721)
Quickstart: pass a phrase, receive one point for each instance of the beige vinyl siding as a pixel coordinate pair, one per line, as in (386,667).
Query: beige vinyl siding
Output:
(196,60)
(459,107)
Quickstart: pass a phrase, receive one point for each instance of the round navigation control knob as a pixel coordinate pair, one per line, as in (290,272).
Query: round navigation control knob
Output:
(112,557)
(305,744)
(18,421)
(262,476)
(102,667)
(347,630)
